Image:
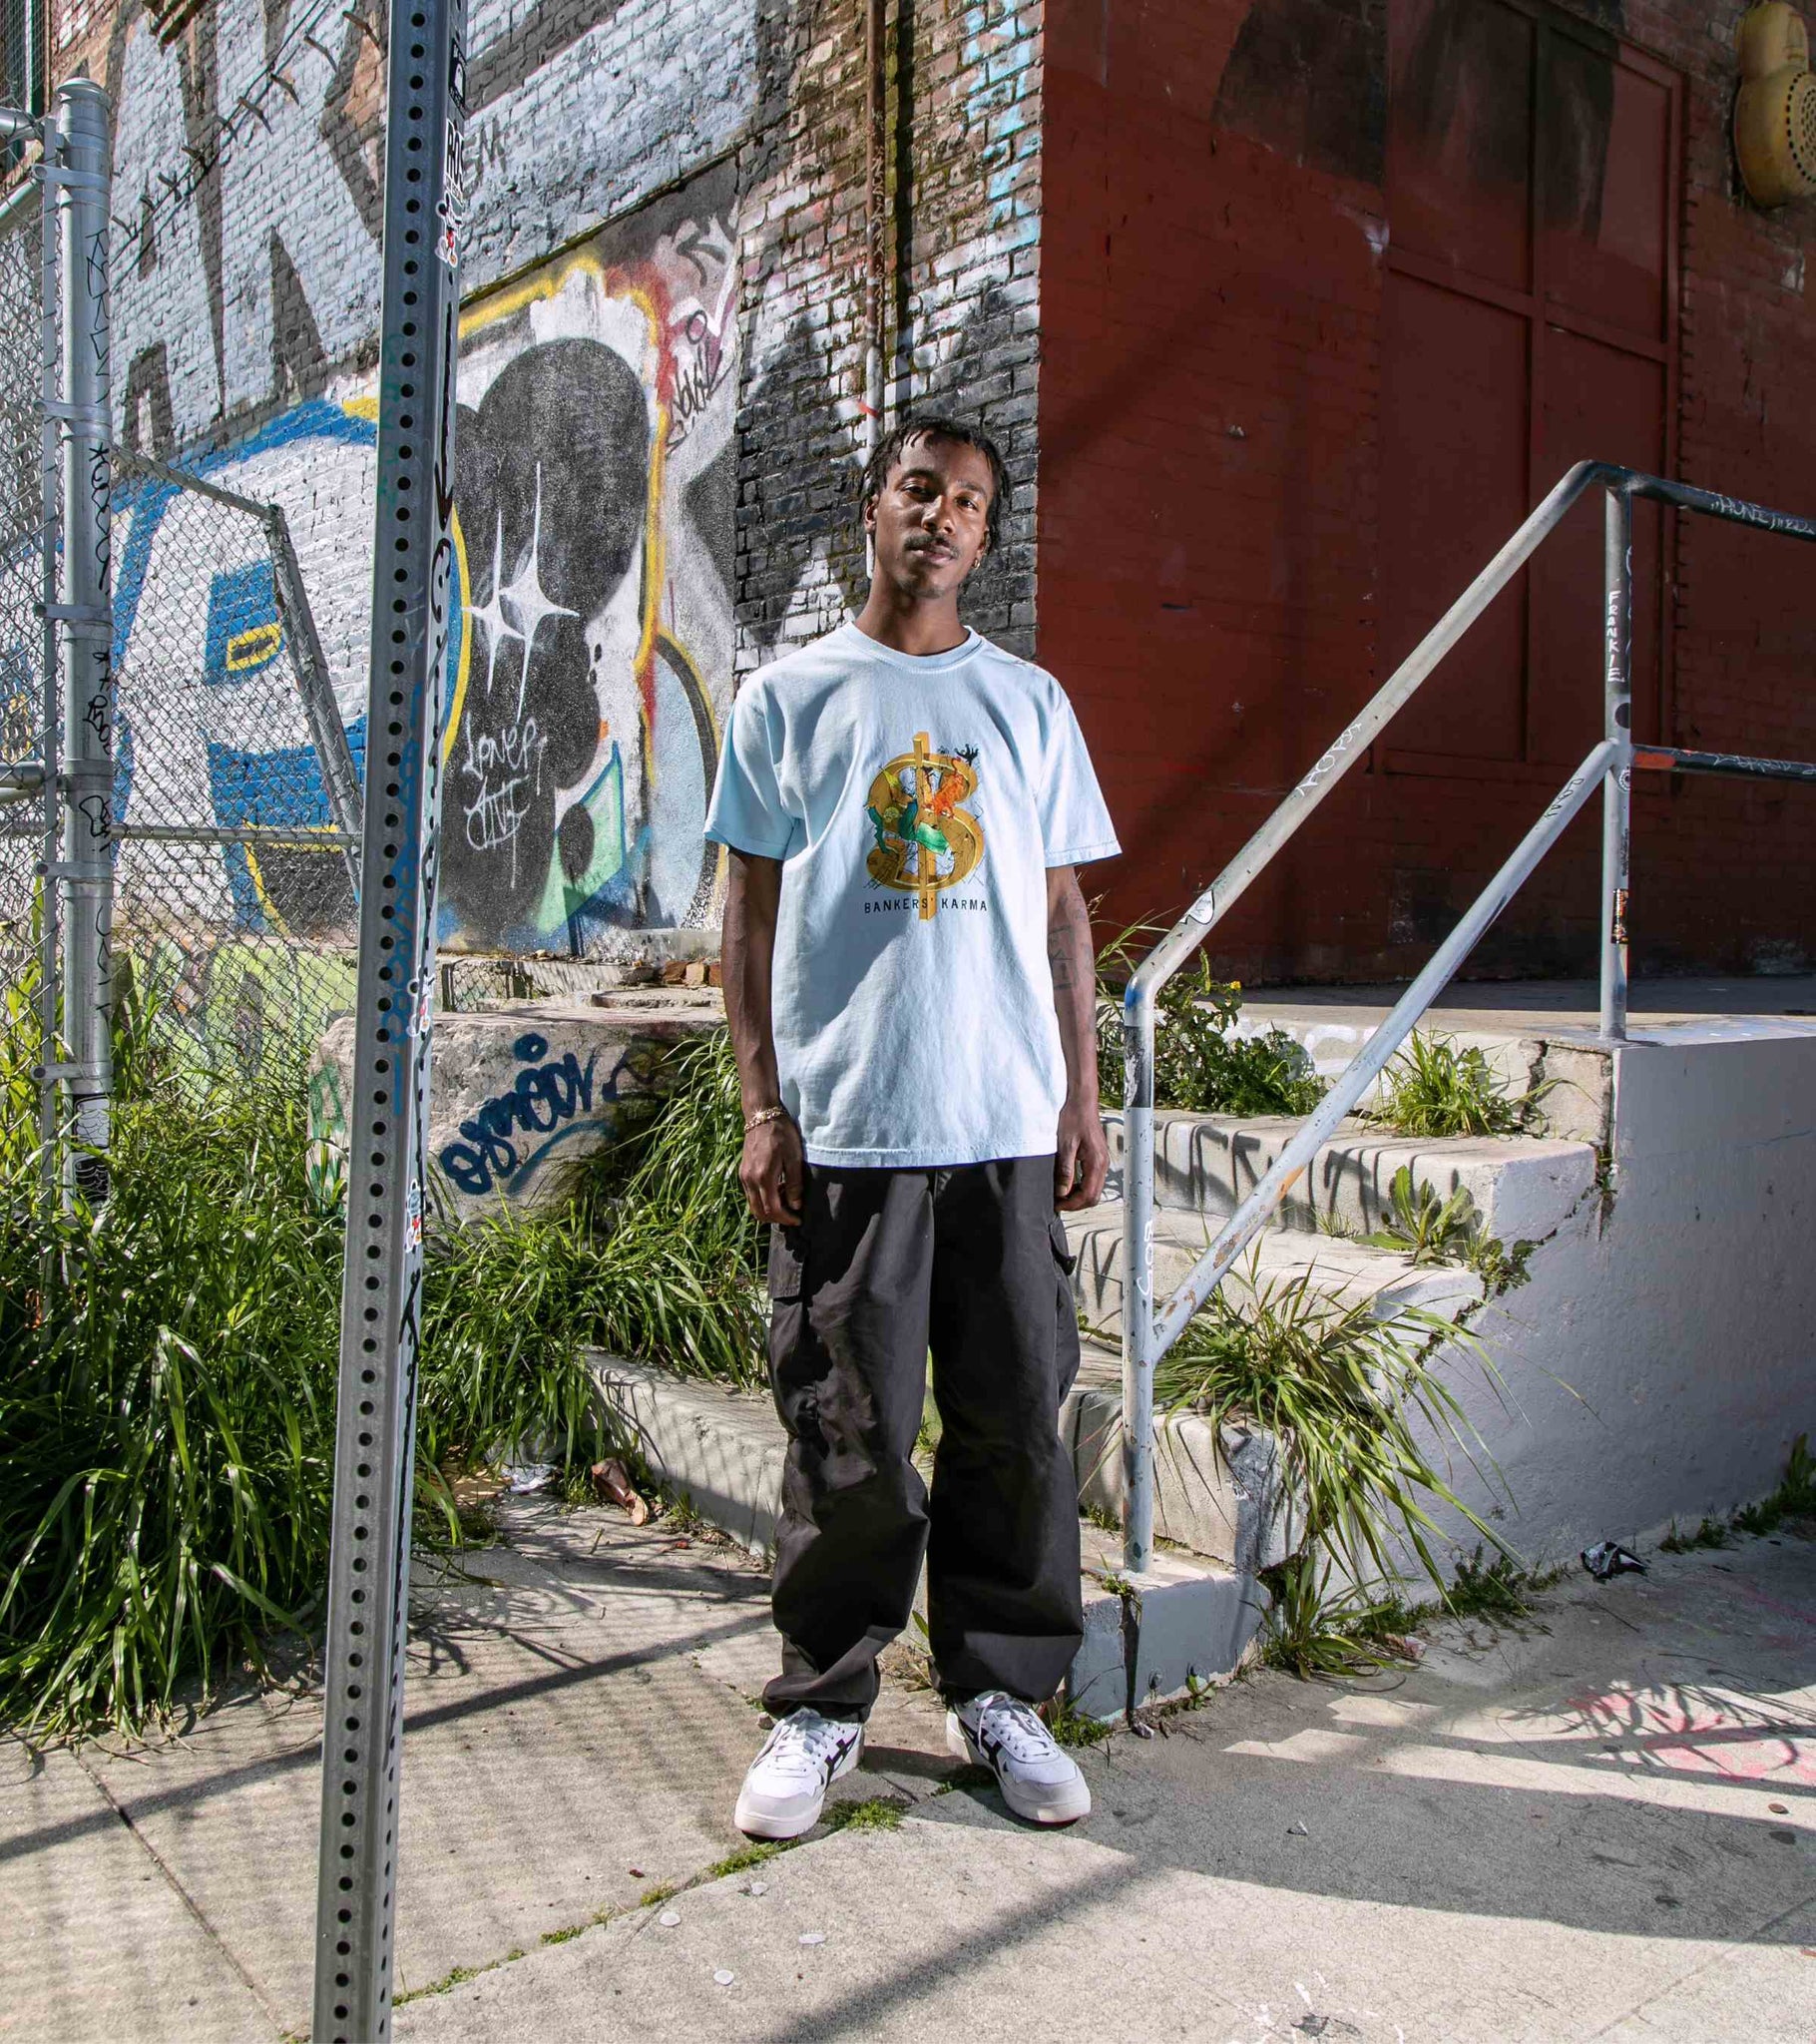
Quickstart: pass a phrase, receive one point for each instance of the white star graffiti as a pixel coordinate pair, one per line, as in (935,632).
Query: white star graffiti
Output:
(491,612)
(528,600)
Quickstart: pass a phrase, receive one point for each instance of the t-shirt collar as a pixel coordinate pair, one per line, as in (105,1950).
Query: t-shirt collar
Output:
(912,662)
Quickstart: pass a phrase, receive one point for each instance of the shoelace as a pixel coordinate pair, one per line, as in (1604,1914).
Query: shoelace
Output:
(1016,1726)
(813,1738)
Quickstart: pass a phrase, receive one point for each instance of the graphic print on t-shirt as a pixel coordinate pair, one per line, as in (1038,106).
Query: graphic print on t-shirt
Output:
(925,839)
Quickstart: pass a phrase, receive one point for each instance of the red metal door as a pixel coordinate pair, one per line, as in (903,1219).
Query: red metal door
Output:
(1530,320)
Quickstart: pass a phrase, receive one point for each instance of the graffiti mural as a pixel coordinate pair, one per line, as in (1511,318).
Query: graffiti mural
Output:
(589,659)
(594,497)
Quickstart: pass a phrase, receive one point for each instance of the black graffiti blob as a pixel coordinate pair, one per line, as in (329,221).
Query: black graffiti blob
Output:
(552,488)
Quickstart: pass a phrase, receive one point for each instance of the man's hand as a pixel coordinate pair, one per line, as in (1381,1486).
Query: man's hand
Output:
(1082,1159)
(774,1171)
(1081,1154)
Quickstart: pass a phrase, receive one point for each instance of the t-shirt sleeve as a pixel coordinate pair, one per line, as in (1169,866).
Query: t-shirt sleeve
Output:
(747,811)
(1074,821)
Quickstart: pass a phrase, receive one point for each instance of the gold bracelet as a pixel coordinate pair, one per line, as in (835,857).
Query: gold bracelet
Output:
(762,1115)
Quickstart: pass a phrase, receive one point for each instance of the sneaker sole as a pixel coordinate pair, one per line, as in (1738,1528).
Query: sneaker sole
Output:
(776,1816)
(1066,1806)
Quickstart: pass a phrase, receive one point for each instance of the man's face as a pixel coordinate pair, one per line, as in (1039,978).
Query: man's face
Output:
(929,521)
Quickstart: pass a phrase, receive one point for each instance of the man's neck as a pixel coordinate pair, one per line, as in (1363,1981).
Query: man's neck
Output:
(906,626)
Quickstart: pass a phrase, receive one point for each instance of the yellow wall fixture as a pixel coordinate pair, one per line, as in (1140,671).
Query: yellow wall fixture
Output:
(1775,115)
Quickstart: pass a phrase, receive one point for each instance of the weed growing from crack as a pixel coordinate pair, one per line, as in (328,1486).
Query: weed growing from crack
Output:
(1072,1726)
(875,1814)
(746,1857)
(1795,1497)
(1435,1088)
(1353,1400)
(1712,1533)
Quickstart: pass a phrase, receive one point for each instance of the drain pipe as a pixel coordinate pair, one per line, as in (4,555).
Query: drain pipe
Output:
(876,200)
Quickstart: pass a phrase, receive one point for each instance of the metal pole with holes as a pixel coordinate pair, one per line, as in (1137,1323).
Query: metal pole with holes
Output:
(79,182)
(380,1328)
(1618,729)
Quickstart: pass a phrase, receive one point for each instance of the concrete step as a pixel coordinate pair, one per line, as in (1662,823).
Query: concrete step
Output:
(1183,1623)
(1207,1164)
(1220,1495)
(1347,1272)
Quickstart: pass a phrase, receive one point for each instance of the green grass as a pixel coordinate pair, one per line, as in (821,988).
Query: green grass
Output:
(1712,1533)
(166,1408)
(746,1857)
(1351,1398)
(1201,1063)
(875,1814)
(1073,1726)
(1434,1088)
(1795,1497)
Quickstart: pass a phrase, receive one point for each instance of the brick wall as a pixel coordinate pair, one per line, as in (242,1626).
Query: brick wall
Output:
(1210,552)
(962,298)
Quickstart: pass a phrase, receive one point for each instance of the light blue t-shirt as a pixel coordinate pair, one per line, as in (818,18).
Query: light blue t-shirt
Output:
(916,804)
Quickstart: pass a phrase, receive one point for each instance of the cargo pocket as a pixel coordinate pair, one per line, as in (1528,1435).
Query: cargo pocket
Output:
(787,1309)
(785,1269)
(1062,1249)
(1065,1331)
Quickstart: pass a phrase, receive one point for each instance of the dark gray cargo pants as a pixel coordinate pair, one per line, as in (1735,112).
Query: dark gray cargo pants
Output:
(968,1262)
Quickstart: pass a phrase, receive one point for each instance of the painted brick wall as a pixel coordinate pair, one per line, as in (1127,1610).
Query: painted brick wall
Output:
(673,187)
(1210,565)
(962,322)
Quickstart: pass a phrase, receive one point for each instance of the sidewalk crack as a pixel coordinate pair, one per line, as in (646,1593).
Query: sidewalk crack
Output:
(187,1900)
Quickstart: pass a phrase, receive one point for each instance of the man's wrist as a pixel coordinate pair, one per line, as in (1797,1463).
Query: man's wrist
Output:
(761,1117)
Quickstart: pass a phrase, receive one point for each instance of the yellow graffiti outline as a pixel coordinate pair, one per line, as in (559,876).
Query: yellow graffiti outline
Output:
(368,408)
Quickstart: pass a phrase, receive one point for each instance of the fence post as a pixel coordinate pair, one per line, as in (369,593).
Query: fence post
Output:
(1618,729)
(380,1323)
(50,456)
(78,182)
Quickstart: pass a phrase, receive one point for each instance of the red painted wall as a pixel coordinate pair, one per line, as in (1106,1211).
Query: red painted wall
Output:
(1210,556)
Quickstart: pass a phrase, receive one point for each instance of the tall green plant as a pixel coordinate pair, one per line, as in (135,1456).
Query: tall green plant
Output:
(1350,1397)
(1436,1087)
(167,1409)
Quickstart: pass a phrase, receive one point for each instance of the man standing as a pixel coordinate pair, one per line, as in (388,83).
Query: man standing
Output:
(910,986)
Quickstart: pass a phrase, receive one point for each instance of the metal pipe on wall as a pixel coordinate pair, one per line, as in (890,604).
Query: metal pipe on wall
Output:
(84,611)
(876,200)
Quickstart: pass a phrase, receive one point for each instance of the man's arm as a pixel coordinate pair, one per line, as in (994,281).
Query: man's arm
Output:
(1083,1156)
(774,1171)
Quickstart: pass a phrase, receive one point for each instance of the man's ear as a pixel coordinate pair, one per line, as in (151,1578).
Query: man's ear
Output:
(868,514)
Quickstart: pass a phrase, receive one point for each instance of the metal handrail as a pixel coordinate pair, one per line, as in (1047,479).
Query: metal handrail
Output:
(1613,761)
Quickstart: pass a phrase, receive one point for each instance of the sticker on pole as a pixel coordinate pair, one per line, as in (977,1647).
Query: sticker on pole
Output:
(456,201)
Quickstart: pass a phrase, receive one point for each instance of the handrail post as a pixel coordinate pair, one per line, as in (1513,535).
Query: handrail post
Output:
(1137,1274)
(1618,729)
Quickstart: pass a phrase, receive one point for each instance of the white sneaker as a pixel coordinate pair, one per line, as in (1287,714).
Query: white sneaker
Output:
(1038,1780)
(786,1783)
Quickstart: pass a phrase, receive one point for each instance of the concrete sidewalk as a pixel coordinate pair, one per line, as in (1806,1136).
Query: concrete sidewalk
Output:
(1600,1825)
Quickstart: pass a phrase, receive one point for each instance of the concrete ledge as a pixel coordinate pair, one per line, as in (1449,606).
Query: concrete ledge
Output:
(1220,1492)
(724,1448)
(1219,1495)
(1174,1628)
(1186,1621)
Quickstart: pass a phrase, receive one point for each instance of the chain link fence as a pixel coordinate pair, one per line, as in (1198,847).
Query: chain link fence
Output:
(236,798)
(29,711)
